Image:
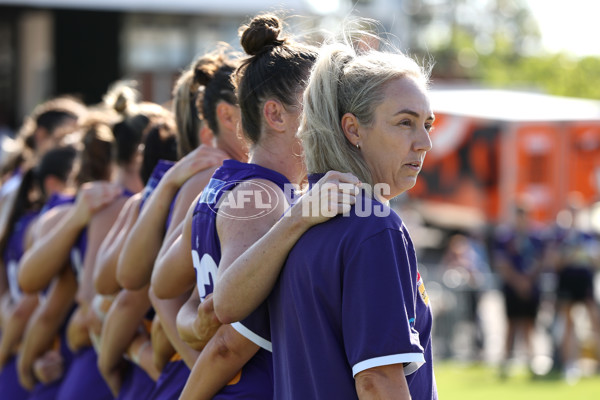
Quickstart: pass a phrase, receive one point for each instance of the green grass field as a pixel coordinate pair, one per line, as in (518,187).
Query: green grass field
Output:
(477,382)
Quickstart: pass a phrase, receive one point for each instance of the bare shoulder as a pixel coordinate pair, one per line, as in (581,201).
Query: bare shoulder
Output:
(191,189)
(252,206)
(134,201)
(132,205)
(111,211)
(197,182)
(48,219)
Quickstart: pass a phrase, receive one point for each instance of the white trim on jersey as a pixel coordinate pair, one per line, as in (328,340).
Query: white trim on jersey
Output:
(253,337)
(414,360)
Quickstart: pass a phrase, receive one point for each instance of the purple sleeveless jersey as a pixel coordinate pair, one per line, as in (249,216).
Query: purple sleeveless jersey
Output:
(174,375)
(9,383)
(158,172)
(171,381)
(15,247)
(83,375)
(83,379)
(256,380)
(57,199)
(78,251)
(350,298)
(137,384)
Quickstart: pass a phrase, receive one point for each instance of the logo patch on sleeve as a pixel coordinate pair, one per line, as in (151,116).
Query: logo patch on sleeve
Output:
(422,291)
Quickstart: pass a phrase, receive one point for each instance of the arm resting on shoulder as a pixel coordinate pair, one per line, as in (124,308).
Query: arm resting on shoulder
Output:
(220,361)
(45,323)
(167,311)
(246,279)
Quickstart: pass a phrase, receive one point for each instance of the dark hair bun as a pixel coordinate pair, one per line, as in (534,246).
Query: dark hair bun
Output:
(121,103)
(204,71)
(262,34)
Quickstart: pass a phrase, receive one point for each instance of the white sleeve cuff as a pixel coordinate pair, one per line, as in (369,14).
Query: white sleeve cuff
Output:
(251,336)
(412,362)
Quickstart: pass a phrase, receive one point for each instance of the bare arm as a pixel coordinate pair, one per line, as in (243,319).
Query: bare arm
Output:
(5,308)
(167,311)
(162,349)
(3,285)
(34,259)
(220,361)
(105,280)
(15,326)
(119,330)
(385,382)
(141,248)
(222,358)
(45,323)
(197,321)
(173,272)
(98,228)
(7,201)
(246,280)
(48,255)
(16,316)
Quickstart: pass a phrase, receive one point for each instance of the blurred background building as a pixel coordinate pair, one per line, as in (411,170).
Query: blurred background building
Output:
(79,47)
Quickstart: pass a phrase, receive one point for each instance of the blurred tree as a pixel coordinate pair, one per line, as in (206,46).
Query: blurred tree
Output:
(459,32)
(496,43)
(556,74)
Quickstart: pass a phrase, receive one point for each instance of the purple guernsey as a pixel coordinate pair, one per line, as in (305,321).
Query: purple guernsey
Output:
(158,172)
(9,382)
(15,247)
(350,298)
(256,378)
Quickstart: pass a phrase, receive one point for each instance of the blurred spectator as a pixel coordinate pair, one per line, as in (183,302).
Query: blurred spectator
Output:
(466,269)
(518,257)
(575,255)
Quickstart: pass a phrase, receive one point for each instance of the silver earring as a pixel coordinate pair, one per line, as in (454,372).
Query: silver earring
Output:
(358,146)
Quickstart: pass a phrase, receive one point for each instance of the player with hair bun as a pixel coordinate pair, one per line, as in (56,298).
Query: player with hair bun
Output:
(349,290)
(269,83)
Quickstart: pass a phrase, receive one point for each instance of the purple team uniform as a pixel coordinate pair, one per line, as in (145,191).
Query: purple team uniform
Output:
(137,384)
(15,247)
(576,276)
(256,381)
(521,252)
(171,381)
(83,379)
(158,172)
(57,199)
(9,381)
(9,385)
(350,298)
(42,391)
(174,375)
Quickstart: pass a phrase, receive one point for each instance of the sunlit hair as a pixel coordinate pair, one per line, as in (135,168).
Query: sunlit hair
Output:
(97,154)
(51,115)
(159,144)
(186,113)
(197,93)
(133,118)
(122,97)
(348,77)
(213,74)
(277,68)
